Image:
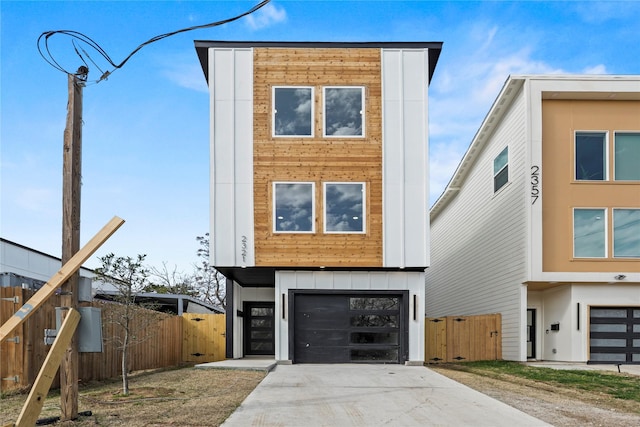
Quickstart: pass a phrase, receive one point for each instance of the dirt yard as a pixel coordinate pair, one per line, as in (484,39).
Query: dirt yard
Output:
(556,405)
(182,397)
(196,397)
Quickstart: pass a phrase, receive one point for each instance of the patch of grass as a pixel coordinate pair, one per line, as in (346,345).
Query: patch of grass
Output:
(621,386)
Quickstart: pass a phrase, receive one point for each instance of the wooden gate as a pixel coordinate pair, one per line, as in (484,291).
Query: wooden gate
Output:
(203,337)
(463,338)
(12,355)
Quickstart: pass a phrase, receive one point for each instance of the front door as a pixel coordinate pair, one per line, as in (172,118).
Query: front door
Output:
(531,333)
(259,328)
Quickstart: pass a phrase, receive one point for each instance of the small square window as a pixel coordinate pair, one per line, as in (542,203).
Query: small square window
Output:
(589,233)
(293,111)
(344,210)
(627,157)
(626,233)
(591,156)
(293,207)
(501,169)
(344,111)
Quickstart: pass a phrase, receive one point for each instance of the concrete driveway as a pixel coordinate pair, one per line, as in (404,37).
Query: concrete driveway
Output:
(370,395)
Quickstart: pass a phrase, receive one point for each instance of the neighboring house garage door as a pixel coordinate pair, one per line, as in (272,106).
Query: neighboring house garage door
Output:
(614,335)
(350,327)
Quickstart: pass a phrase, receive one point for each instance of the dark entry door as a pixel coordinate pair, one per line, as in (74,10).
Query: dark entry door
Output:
(259,328)
(531,333)
(347,328)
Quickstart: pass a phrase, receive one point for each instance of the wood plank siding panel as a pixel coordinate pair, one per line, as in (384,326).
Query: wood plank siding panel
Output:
(317,159)
(478,250)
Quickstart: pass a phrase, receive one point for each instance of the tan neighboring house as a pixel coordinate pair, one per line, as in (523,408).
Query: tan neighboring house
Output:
(541,221)
(319,208)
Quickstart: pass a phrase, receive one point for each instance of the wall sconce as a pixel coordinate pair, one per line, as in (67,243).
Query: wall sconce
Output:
(620,277)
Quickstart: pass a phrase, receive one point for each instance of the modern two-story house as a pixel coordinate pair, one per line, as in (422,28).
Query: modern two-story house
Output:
(319,209)
(541,221)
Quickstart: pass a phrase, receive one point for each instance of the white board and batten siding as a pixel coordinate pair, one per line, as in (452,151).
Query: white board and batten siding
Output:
(479,239)
(405,83)
(231,106)
(351,280)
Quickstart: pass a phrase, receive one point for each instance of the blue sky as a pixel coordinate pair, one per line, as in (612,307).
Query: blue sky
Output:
(145,134)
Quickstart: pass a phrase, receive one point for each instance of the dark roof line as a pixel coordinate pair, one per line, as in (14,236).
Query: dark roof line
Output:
(202,48)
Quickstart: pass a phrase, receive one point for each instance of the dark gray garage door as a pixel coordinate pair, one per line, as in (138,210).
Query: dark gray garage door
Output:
(614,335)
(345,328)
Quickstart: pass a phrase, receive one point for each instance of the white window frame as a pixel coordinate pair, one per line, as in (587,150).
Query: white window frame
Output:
(495,174)
(364,207)
(606,155)
(606,231)
(613,174)
(313,208)
(613,231)
(274,111)
(362,112)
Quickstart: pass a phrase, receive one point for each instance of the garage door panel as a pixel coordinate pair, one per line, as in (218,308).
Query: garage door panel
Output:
(614,335)
(323,337)
(348,327)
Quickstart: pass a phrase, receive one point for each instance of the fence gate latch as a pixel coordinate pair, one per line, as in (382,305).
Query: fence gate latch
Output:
(15,300)
(14,378)
(15,340)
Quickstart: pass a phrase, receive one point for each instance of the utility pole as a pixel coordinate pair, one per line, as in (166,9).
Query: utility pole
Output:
(71,182)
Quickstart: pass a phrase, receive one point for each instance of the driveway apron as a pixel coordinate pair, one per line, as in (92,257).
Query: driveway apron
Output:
(370,395)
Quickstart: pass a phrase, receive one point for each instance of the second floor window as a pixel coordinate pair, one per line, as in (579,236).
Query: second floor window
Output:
(293,111)
(501,169)
(589,233)
(344,207)
(293,207)
(626,233)
(592,226)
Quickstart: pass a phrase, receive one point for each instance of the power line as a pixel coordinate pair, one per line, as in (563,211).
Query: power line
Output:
(45,52)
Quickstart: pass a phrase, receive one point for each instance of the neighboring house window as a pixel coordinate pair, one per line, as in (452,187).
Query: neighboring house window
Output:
(501,169)
(591,156)
(589,233)
(293,207)
(344,111)
(293,111)
(626,233)
(344,207)
(627,157)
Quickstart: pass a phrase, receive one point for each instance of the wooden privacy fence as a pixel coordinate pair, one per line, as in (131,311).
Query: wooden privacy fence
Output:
(463,338)
(23,352)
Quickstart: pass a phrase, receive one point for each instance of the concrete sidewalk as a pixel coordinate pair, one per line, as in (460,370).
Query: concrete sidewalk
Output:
(370,395)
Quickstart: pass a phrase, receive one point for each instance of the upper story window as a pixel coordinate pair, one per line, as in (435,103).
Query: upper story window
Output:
(626,233)
(591,156)
(627,156)
(293,111)
(293,207)
(589,233)
(344,111)
(501,169)
(344,207)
